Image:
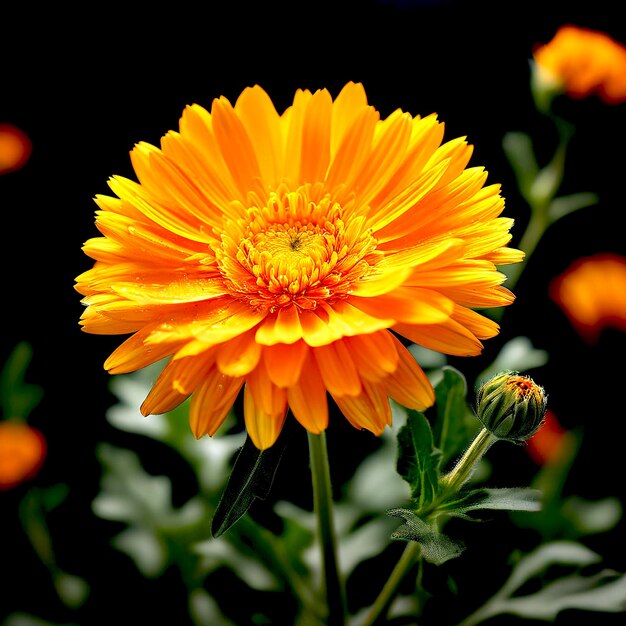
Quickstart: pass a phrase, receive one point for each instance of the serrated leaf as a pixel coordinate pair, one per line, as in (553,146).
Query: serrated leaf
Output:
(418,459)
(450,428)
(251,479)
(436,547)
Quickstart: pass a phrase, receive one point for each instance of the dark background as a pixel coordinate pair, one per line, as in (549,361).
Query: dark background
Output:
(86,88)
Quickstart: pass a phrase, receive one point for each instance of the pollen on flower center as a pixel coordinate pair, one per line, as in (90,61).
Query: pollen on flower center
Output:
(523,386)
(294,250)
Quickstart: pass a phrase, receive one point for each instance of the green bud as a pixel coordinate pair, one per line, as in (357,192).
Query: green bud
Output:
(511,406)
(544,87)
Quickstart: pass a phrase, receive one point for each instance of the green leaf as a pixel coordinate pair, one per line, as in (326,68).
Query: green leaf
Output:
(602,591)
(436,547)
(451,428)
(18,398)
(251,478)
(418,459)
(73,590)
(25,619)
(504,499)
(564,205)
(519,150)
(156,528)
(589,517)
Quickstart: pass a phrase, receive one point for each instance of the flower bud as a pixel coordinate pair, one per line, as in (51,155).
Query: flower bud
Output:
(511,406)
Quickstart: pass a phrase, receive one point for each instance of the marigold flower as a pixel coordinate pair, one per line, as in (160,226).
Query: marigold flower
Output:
(22,453)
(592,294)
(285,254)
(581,62)
(15,148)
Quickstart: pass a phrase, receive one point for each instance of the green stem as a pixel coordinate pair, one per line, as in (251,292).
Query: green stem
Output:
(378,612)
(323,505)
(272,552)
(532,235)
(463,470)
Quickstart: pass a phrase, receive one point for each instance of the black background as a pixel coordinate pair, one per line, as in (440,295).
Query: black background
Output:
(85,88)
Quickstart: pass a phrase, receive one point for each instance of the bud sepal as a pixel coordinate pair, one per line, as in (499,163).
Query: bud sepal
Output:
(511,407)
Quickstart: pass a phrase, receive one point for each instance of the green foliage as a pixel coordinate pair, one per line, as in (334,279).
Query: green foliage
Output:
(18,398)
(433,498)
(453,421)
(601,591)
(250,479)
(418,459)
(567,517)
(436,547)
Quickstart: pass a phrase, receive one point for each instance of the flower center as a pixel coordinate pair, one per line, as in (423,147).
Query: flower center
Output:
(524,387)
(294,250)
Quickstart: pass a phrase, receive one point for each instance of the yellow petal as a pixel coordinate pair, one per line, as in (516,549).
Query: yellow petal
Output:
(175,383)
(408,304)
(258,114)
(175,222)
(283,327)
(369,411)
(408,384)
(308,400)
(449,337)
(238,356)
(235,144)
(284,362)
(375,355)
(212,401)
(316,138)
(338,371)
(181,290)
(219,323)
(265,408)
(133,354)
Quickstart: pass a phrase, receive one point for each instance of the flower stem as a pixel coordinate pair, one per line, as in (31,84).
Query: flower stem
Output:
(323,504)
(378,612)
(463,470)
(532,235)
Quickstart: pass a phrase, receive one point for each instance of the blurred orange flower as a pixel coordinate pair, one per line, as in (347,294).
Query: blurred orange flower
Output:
(581,62)
(15,148)
(549,442)
(277,252)
(592,293)
(22,453)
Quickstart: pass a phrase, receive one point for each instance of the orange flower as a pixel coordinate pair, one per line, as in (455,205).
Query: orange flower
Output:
(549,442)
(22,452)
(15,148)
(581,62)
(592,293)
(285,253)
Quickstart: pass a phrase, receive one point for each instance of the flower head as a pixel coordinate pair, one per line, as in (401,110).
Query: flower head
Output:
(580,62)
(15,148)
(511,406)
(592,294)
(22,453)
(287,253)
